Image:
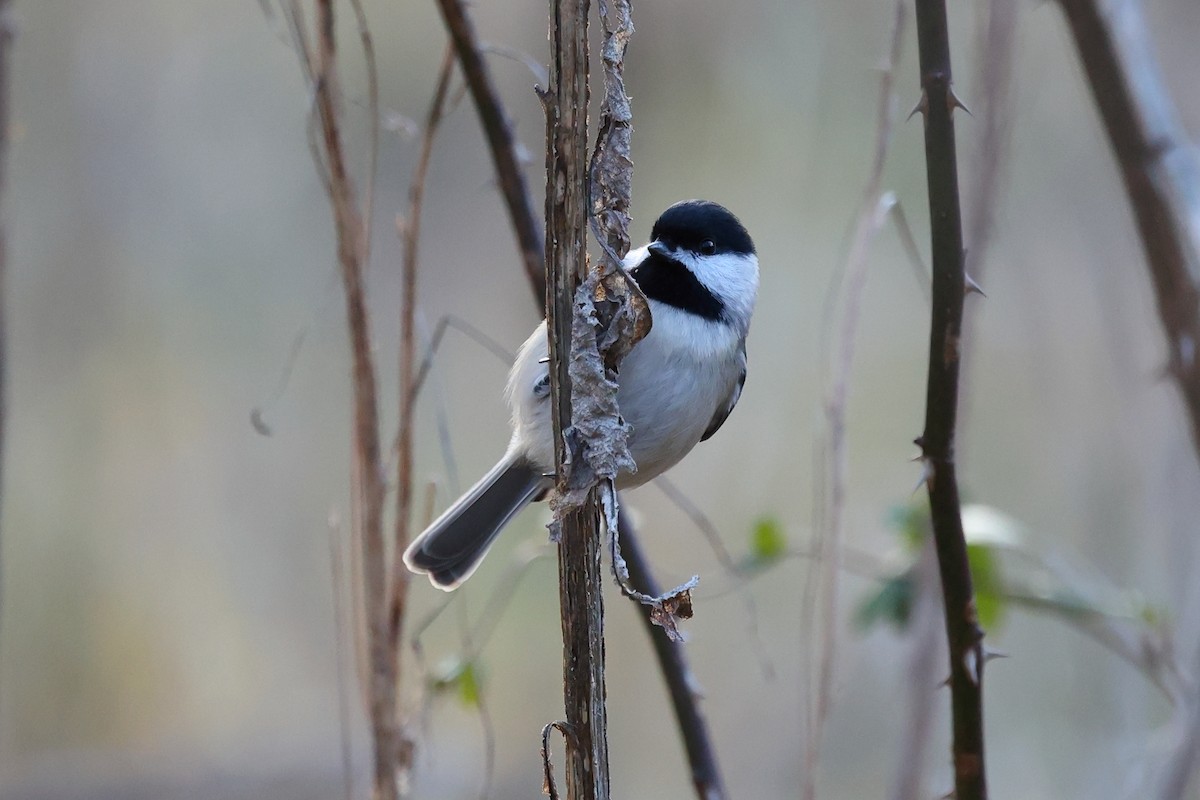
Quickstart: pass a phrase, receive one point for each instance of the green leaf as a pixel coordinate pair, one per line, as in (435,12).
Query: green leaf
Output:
(990,600)
(469,687)
(892,604)
(767,542)
(458,677)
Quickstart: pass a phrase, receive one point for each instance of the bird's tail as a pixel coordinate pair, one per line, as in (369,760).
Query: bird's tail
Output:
(451,548)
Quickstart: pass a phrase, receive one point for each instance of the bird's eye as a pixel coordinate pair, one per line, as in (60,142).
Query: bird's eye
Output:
(708,248)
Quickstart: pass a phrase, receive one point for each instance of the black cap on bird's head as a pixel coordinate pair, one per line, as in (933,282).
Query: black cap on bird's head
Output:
(703,227)
(701,260)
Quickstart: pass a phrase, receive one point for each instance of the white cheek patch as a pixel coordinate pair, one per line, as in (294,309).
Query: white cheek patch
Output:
(732,277)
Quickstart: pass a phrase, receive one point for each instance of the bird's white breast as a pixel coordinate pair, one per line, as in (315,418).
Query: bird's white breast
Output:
(671,385)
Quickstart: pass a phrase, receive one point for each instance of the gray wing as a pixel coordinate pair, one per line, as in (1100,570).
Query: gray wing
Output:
(726,407)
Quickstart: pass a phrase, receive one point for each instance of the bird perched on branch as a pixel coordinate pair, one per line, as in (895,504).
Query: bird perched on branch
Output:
(676,387)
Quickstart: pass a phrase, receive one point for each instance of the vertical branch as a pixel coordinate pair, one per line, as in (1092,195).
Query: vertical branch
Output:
(941,402)
(671,656)
(368,466)
(580,591)
(501,142)
(410,234)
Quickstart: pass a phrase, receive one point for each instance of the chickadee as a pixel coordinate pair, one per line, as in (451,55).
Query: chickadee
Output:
(676,387)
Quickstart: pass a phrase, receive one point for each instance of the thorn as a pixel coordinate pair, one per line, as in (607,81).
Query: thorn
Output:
(972,665)
(945,683)
(953,102)
(992,655)
(546,360)
(549,475)
(926,478)
(972,286)
(922,106)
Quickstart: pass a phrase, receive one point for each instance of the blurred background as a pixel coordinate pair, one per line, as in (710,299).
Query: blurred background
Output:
(168,622)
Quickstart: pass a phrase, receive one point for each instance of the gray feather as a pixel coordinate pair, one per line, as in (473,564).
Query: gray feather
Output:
(451,548)
(726,408)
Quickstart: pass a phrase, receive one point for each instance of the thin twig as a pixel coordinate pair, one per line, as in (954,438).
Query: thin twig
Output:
(549,788)
(368,49)
(410,234)
(368,469)
(501,141)
(873,212)
(963,633)
(471,332)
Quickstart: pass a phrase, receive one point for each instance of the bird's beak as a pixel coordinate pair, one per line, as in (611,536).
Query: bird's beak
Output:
(659,248)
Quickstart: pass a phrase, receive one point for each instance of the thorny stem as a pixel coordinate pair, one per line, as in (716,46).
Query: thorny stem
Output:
(941,403)
(501,141)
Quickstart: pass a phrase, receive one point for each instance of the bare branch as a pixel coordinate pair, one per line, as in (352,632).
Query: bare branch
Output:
(410,234)
(576,517)
(941,403)
(368,468)
(368,48)
(504,152)
(681,683)
(501,142)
